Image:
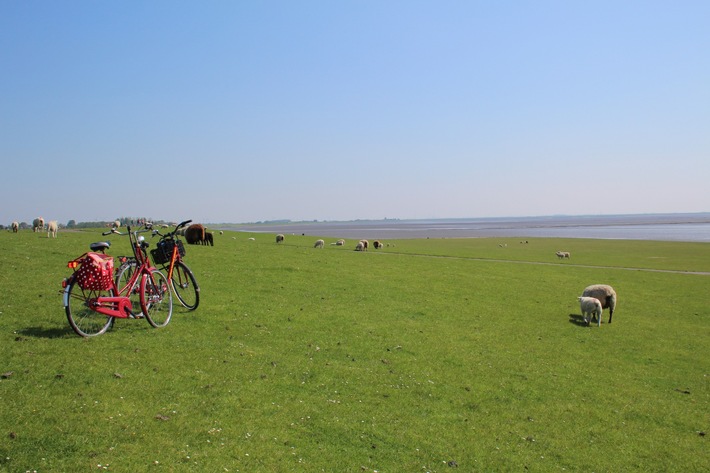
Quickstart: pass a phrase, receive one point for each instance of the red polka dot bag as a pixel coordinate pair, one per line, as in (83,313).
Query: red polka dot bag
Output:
(95,272)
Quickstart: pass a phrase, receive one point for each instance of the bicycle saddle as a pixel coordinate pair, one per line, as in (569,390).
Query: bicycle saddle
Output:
(100,246)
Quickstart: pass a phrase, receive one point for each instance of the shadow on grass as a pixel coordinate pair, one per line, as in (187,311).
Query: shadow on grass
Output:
(578,320)
(42,332)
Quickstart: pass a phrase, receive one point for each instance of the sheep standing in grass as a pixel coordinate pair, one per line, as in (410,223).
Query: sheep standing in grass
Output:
(377,244)
(563,254)
(15,227)
(360,246)
(591,306)
(52,229)
(340,242)
(365,244)
(605,294)
(279,238)
(319,244)
(38,224)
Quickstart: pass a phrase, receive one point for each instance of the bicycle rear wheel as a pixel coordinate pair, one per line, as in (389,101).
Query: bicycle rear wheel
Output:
(185,286)
(156,298)
(123,276)
(85,321)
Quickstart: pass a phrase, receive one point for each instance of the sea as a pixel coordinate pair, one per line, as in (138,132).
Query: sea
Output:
(688,227)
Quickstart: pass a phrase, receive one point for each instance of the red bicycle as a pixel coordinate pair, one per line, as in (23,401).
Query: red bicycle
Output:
(93,299)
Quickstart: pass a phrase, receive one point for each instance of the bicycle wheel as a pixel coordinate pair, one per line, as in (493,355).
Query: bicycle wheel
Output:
(185,286)
(156,298)
(123,277)
(85,321)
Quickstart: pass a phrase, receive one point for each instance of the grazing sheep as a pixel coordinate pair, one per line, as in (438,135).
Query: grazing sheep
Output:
(605,294)
(221,232)
(250,238)
(116,224)
(52,227)
(195,234)
(209,239)
(279,238)
(15,227)
(591,306)
(365,244)
(319,244)
(38,224)
(563,254)
(360,246)
(377,244)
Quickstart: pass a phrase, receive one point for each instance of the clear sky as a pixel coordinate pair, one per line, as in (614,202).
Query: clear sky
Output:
(242,111)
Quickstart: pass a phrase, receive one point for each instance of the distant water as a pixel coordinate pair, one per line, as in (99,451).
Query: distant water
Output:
(660,227)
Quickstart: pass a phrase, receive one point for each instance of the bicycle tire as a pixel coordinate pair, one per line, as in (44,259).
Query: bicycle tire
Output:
(124,273)
(185,286)
(156,298)
(85,321)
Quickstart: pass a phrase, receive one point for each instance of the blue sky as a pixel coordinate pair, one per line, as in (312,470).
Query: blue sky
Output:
(237,111)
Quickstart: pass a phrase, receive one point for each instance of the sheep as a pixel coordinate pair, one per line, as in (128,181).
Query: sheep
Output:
(605,294)
(52,227)
(209,239)
(195,234)
(116,224)
(340,242)
(591,306)
(360,246)
(15,227)
(250,238)
(563,254)
(279,238)
(365,244)
(377,244)
(319,244)
(38,224)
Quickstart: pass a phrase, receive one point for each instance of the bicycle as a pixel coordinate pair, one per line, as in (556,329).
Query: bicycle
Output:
(93,299)
(168,254)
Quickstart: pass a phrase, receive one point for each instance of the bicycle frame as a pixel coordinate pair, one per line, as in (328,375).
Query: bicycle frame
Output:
(120,305)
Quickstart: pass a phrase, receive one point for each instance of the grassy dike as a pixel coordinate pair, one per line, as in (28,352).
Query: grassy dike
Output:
(428,355)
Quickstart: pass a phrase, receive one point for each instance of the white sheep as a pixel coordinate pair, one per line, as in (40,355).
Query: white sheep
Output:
(319,244)
(279,238)
(605,294)
(52,227)
(563,254)
(591,306)
(365,244)
(15,227)
(340,242)
(38,224)
(360,246)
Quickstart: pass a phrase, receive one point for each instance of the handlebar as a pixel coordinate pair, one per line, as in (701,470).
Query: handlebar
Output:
(170,234)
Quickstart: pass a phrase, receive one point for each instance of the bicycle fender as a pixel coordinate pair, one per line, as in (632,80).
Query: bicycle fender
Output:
(65,296)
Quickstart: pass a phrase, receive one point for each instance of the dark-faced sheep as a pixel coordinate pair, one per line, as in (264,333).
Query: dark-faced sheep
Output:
(38,224)
(592,307)
(52,227)
(195,234)
(377,244)
(605,294)
(563,254)
(365,244)
(340,242)
(279,238)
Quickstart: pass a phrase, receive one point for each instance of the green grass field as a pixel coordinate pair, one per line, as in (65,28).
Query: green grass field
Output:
(430,355)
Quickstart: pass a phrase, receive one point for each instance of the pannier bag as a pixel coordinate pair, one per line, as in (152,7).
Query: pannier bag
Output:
(164,251)
(95,272)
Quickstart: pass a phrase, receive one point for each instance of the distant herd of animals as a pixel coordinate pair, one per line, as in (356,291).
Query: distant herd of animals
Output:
(592,302)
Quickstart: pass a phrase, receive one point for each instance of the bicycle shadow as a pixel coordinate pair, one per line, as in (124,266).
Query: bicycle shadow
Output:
(43,332)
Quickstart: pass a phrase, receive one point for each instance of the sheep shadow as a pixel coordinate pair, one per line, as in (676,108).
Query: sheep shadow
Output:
(43,332)
(578,320)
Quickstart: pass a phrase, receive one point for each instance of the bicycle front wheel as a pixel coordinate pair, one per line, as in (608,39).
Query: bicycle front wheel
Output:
(185,286)
(156,298)
(85,321)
